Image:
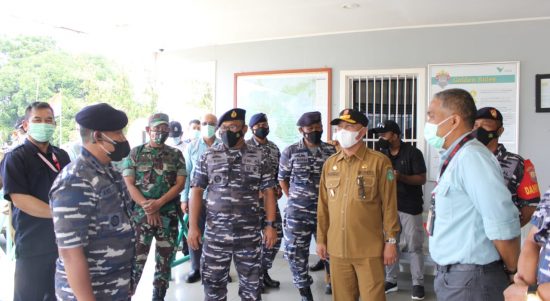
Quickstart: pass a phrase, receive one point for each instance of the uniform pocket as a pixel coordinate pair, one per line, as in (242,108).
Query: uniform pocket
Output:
(250,175)
(365,188)
(300,175)
(333,186)
(110,218)
(459,280)
(170,173)
(143,173)
(218,181)
(144,167)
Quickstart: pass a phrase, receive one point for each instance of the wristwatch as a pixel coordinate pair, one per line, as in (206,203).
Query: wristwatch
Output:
(532,289)
(392,241)
(269,224)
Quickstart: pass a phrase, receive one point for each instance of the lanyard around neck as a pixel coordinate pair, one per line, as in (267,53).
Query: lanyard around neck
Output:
(57,167)
(454,151)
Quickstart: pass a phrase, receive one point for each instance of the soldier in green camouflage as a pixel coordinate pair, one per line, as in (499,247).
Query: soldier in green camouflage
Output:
(155,175)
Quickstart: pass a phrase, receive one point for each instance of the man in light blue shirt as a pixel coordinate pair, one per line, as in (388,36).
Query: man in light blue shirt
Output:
(192,153)
(475,235)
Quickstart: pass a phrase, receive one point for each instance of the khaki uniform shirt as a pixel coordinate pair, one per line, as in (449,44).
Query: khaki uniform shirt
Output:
(357,206)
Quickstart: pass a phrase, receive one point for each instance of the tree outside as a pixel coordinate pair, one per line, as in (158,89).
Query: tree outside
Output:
(35,69)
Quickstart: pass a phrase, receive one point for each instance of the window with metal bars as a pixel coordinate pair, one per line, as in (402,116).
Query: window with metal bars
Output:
(386,97)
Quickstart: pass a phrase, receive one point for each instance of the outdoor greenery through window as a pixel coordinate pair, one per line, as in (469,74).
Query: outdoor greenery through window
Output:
(36,68)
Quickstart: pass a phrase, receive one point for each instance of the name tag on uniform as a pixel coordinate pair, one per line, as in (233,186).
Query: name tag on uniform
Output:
(216,160)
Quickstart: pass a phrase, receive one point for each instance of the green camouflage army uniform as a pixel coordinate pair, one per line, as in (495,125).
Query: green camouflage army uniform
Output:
(155,171)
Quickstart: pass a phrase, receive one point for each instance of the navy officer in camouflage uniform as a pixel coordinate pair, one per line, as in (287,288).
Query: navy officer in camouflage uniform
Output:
(233,173)
(260,129)
(519,174)
(155,175)
(91,210)
(299,175)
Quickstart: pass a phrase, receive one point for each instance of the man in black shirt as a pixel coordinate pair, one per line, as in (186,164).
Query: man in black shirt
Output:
(28,172)
(410,173)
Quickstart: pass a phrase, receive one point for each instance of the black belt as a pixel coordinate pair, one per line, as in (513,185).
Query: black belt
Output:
(458,267)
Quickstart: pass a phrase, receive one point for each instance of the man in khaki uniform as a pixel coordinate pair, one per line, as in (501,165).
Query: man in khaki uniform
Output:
(357,213)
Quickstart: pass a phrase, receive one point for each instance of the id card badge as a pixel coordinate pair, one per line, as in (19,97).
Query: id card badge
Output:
(431,218)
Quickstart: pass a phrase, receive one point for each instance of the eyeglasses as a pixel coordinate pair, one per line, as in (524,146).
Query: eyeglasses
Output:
(208,123)
(233,128)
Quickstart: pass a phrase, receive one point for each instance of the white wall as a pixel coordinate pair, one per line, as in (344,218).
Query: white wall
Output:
(526,42)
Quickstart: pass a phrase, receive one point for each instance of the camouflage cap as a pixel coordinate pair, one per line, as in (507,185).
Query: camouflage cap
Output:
(158,118)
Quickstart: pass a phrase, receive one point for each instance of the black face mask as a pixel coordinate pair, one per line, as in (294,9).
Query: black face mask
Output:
(230,138)
(383,143)
(485,136)
(122,149)
(159,137)
(261,132)
(314,137)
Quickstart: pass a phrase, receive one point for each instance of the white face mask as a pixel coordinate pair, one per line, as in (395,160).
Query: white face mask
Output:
(347,138)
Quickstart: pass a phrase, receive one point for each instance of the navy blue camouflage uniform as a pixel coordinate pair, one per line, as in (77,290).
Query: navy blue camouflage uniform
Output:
(513,170)
(302,169)
(273,153)
(541,220)
(91,209)
(233,179)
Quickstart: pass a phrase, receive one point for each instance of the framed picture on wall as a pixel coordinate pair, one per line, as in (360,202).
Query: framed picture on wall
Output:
(284,95)
(491,84)
(542,89)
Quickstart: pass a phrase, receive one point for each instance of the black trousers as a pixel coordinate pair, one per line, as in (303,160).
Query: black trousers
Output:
(34,278)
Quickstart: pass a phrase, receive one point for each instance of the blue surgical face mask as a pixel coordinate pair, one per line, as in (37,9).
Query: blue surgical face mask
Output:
(195,134)
(175,140)
(430,134)
(208,131)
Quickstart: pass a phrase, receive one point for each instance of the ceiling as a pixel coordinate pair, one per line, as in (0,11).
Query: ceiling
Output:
(152,25)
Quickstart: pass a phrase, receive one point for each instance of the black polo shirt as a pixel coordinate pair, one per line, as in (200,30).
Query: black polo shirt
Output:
(409,161)
(24,172)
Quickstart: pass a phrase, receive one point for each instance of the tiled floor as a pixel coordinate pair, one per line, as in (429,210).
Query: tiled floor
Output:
(181,291)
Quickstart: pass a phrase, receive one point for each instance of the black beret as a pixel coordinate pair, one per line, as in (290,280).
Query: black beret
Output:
(387,126)
(351,116)
(175,129)
(309,118)
(257,118)
(233,114)
(101,117)
(489,113)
